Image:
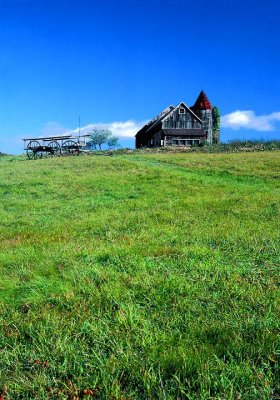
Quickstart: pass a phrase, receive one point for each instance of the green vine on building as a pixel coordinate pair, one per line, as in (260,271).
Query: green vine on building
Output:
(216,117)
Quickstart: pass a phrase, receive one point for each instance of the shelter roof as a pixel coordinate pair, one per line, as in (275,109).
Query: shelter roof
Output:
(160,117)
(202,102)
(149,124)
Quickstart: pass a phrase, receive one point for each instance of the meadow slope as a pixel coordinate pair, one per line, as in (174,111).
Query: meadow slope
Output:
(140,277)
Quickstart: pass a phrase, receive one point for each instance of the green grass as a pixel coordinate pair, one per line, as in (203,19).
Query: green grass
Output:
(140,277)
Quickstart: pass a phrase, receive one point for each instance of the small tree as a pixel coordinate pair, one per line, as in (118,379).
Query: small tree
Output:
(113,142)
(98,137)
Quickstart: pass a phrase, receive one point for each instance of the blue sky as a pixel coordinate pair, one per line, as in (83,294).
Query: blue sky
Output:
(118,63)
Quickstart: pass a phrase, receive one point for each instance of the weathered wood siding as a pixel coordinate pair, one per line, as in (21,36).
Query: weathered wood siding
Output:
(177,120)
(206,116)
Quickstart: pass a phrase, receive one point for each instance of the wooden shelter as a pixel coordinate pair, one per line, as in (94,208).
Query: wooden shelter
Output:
(179,126)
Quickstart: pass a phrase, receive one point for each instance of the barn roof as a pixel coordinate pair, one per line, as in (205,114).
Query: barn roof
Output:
(202,102)
(161,116)
(154,121)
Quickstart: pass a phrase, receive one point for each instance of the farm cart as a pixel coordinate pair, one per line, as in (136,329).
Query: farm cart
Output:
(54,146)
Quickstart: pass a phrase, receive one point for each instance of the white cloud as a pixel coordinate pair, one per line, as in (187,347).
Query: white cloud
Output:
(53,128)
(249,120)
(121,129)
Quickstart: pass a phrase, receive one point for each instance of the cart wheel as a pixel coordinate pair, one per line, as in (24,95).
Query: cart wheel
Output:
(55,149)
(77,148)
(69,148)
(38,154)
(31,148)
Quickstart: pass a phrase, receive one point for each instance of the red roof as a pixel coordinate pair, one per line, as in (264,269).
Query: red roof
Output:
(202,102)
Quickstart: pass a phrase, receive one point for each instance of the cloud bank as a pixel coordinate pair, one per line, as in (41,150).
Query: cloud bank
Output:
(121,129)
(249,120)
(235,120)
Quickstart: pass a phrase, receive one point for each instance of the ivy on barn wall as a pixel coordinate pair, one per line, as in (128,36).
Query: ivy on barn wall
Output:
(216,118)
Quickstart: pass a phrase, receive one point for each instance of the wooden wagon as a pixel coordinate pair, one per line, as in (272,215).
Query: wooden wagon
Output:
(67,145)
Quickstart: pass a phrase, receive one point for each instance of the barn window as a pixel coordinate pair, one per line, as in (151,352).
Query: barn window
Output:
(181,111)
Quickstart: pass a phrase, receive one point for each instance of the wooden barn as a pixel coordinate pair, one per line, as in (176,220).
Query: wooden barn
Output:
(179,126)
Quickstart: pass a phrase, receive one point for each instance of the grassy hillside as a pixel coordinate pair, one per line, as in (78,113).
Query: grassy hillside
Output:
(140,277)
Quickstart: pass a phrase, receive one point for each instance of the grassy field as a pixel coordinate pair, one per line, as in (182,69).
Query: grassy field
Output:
(140,277)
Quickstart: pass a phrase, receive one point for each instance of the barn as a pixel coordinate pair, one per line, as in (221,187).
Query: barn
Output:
(180,126)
